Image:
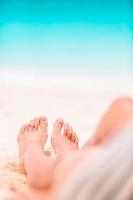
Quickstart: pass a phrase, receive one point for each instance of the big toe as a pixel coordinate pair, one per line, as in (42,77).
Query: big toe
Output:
(58,126)
(43,124)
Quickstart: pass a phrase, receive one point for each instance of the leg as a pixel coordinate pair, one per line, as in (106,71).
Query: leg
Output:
(39,168)
(117,116)
(33,161)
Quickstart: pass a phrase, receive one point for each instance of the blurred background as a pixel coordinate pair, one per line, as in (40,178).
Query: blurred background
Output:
(65,59)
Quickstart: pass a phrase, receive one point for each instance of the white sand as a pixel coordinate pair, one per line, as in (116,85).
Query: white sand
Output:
(79,98)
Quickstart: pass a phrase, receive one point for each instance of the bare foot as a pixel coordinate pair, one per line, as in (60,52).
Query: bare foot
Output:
(31,134)
(68,141)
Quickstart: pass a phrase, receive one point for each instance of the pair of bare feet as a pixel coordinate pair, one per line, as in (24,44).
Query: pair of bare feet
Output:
(35,133)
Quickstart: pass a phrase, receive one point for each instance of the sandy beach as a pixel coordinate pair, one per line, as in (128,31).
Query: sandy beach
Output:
(80,99)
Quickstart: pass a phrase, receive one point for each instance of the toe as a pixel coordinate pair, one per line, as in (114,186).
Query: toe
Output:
(77,139)
(22,129)
(43,123)
(21,133)
(74,138)
(58,126)
(70,133)
(31,127)
(36,123)
(66,128)
(27,127)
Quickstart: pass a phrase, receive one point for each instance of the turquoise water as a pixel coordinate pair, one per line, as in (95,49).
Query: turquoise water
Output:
(94,35)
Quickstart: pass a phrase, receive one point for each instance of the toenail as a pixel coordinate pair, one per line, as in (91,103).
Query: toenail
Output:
(43,118)
(60,120)
(67,125)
